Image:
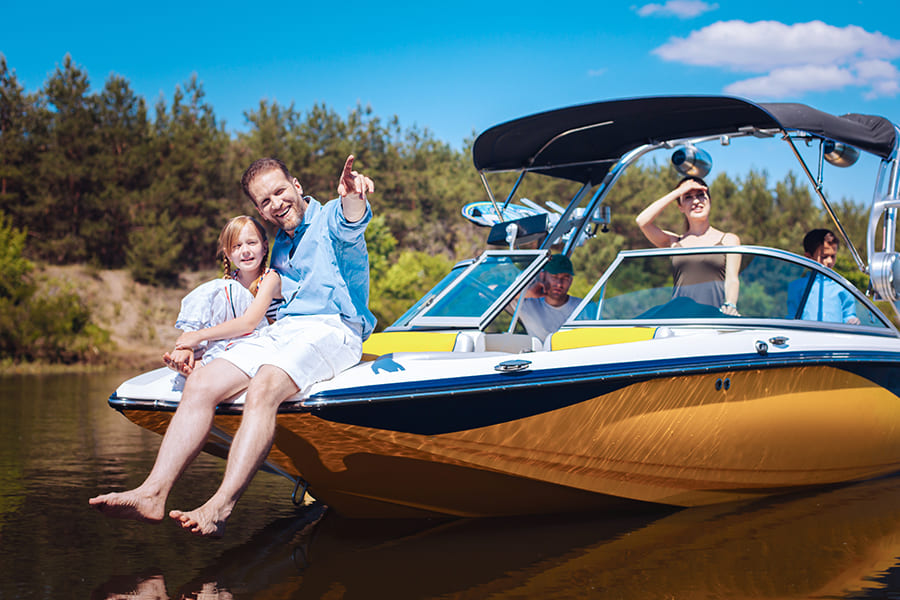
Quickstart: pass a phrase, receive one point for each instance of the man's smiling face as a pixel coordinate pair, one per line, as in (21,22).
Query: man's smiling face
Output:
(278,199)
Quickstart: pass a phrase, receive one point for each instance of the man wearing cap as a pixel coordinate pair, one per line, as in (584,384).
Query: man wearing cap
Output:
(547,303)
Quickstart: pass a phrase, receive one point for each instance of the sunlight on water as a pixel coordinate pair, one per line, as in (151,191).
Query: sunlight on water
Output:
(60,444)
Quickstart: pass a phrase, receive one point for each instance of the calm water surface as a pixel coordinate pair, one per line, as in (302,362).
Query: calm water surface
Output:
(60,444)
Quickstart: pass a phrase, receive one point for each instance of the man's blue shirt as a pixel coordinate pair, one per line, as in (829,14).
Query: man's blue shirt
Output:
(827,301)
(324,268)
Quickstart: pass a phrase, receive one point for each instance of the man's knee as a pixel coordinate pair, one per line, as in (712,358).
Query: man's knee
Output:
(213,383)
(269,387)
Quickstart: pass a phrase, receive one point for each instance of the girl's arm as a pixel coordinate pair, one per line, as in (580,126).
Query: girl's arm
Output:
(645,220)
(269,288)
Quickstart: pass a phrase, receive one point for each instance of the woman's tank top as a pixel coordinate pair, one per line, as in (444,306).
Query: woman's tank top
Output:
(700,277)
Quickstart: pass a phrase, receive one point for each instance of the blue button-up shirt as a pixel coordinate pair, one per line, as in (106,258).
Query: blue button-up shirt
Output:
(324,267)
(828,301)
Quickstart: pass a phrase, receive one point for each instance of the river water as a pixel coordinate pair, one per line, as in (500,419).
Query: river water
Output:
(60,444)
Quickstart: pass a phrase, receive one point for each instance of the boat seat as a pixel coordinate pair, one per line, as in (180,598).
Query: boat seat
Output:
(584,337)
(513,343)
(386,342)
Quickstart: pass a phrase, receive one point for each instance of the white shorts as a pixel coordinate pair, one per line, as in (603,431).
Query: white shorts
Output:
(308,348)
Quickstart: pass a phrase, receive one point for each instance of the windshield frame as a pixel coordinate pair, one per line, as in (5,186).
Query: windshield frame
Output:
(730,322)
(416,318)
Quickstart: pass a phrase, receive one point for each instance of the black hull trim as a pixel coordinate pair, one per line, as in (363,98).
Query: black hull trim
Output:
(460,404)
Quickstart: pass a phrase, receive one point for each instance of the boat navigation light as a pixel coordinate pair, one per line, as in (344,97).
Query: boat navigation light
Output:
(838,154)
(691,161)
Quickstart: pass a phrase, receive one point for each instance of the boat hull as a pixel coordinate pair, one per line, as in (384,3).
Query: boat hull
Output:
(681,440)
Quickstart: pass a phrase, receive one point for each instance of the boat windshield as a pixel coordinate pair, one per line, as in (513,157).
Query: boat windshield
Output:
(472,293)
(433,293)
(642,286)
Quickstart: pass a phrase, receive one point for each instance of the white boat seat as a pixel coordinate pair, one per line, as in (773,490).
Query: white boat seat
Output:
(513,343)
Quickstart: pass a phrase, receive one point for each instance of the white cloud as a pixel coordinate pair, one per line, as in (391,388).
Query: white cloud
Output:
(874,69)
(597,72)
(881,76)
(683,9)
(792,59)
(765,45)
(793,81)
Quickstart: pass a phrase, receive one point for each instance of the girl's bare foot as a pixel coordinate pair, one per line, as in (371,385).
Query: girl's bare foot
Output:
(132,505)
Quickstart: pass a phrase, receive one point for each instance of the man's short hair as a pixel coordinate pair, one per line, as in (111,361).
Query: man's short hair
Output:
(259,166)
(817,237)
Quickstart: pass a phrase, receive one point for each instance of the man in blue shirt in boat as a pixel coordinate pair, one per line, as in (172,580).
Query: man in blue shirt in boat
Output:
(320,253)
(827,300)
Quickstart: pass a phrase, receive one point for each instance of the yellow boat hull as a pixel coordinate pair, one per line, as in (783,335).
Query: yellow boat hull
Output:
(679,440)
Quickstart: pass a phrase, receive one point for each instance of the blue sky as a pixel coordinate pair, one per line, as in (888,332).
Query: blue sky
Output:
(460,67)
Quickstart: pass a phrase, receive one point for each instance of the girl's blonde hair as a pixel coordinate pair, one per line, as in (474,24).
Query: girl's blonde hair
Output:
(228,238)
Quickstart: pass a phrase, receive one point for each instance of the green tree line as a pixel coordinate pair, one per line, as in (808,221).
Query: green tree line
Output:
(89,176)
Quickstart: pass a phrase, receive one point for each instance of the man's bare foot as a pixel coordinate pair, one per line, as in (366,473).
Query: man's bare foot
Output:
(203,521)
(132,505)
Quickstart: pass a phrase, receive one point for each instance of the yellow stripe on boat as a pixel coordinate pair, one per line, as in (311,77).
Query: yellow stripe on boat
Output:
(599,336)
(386,342)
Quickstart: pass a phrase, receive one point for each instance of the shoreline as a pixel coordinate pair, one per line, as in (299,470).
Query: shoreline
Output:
(138,363)
(139,318)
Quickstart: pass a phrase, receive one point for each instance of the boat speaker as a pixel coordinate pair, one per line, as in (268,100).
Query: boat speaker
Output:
(884,272)
(691,161)
(838,154)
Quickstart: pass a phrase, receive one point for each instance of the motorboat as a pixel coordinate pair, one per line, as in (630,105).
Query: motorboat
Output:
(644,396)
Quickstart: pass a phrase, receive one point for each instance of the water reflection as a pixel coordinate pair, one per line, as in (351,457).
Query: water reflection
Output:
(150,585)
(60,443)
(839,543)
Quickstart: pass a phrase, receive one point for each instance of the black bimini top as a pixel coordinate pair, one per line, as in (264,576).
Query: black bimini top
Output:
(582,142)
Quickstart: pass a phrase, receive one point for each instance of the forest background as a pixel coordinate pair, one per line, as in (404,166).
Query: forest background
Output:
(89,178)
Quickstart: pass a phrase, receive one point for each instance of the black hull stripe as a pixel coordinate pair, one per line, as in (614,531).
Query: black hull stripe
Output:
(434,412)
(637,370)
(447,406)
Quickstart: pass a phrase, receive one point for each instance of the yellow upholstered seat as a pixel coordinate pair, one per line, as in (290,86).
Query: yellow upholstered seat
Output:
(386,342)
(599,336)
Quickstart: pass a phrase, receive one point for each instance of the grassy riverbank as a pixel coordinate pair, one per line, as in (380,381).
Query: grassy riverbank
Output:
(139,318)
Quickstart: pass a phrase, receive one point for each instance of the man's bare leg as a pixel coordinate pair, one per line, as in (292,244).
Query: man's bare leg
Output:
(269,388)
(185,436)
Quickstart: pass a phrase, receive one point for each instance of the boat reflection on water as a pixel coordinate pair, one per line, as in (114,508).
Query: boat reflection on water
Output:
(838,543)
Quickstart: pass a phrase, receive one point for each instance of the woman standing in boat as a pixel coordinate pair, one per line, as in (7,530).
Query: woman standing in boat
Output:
(706,278)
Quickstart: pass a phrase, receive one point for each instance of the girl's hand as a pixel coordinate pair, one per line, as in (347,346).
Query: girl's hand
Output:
(189,340)
(180,360)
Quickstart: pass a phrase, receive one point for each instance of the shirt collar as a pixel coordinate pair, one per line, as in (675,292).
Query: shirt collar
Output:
(312,207)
